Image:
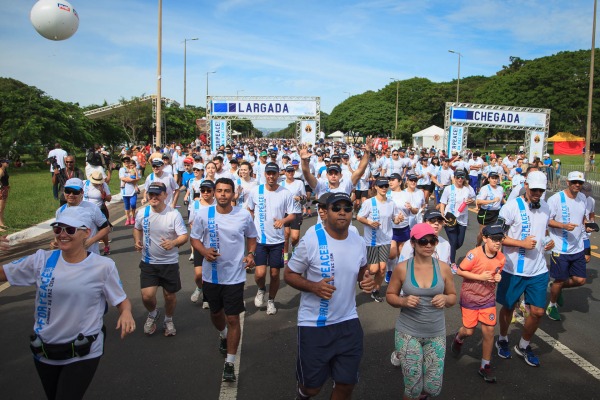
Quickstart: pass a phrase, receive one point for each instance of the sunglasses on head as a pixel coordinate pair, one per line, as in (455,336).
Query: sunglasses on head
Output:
(205,190)
(69,229)
(338,208)
(425,241)
(72,191)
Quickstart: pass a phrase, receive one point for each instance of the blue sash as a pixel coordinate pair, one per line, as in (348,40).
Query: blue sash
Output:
(566,218)
(491,194)
(41,313)
(262,214)
(525,231)
(213,239)
(146,230)
(375,218)
(86,189)
(452,199)
(327,271)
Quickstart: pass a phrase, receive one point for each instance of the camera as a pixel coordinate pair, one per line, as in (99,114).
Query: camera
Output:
(53,162)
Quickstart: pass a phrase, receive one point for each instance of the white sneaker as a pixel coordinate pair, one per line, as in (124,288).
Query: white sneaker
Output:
(205,305)
(259,300)
(394,359)
(196,295)
(169,327)
(271,309)
(191,257)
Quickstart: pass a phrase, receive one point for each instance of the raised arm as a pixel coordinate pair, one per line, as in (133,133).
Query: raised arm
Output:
(364,161)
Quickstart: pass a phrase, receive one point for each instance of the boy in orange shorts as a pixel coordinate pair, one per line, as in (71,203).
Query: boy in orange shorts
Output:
(481,272)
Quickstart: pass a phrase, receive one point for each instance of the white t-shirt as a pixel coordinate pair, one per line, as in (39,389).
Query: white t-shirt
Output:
(92,194)
(590,206)
(296,188)
(96,216)
(76,301)
(442,251)
(382,212)
(424,172)
(489,193)
(227,233)
(475,162)
(168,169)
(169,182)
(196,206)
(259,170)
(246,186)
(225,174)
(346,257)
(444,176)
(416,200)
(269,206)
(524,222)
(323,187)
(566,210)
(60,155)
(157,227)
(453,198)
(400,198)
(127,188)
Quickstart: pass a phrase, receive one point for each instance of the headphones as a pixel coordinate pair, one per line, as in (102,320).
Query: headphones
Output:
(532,205)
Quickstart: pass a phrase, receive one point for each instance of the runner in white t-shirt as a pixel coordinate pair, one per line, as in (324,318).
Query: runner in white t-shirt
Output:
(292,230)
(442,249)
(97,192)
(272,207)
(158,232)
(159,175)
(489,200)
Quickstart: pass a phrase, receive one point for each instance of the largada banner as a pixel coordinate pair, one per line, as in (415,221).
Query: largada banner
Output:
(536,144)
(218,133)
(308,132)
(455,139)
(254,108)
(521,119)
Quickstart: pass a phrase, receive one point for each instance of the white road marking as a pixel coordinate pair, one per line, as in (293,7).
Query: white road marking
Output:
(565,351)
(4,286)
(229,389)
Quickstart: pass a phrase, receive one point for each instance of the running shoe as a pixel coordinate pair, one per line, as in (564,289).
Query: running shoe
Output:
(503,349)
(552,313)
(456,346)
(150,324)
(271,309)
(223,346)
(127,221)
(196,295)
(394,359)
(169,327)
(205,305)
(132,221)
(376,296)
(388,276)
(229,372)
(486,374)
(259,300)
(106,250)
(528,356)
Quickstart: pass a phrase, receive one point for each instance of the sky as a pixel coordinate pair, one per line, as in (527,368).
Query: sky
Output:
(329,48)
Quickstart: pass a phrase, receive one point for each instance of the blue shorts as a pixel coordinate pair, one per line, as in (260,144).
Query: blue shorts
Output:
(329,351)
(401,235)
(511,287)
(129,202)
(269,254)
(563,266)
(474,182)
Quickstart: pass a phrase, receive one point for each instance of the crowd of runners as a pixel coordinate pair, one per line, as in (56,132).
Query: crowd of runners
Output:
(260,192)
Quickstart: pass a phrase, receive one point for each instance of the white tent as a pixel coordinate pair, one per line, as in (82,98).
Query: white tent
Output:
(337,135)
(432,136)
(236,133)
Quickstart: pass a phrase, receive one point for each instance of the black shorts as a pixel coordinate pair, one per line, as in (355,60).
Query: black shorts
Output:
(487,217)
(296,223)
(198,258)
(308,189)
(361,193)
(269,254)
(332,350)
(104,211)
(164,275)
(229,298)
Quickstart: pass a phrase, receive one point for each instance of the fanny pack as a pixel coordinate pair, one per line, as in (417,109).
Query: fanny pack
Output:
(79,347)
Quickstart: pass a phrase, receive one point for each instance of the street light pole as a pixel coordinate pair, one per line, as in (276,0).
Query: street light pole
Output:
(210,72)
(588,130)
(397,91)
(159,77)
(458,80)
(184,69)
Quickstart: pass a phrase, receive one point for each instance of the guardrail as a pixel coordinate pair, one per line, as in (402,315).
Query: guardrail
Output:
(560,183)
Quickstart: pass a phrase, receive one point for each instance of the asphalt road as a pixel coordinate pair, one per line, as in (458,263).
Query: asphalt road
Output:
(189,366)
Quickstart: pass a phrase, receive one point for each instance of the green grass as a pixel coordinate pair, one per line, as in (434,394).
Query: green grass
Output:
(30,200)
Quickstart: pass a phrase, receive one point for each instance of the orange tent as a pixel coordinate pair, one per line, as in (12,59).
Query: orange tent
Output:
(567,143)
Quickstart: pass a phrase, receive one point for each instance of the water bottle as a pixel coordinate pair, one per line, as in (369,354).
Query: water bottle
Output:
(81,340)
(462,206)
(36,342)
(547,240)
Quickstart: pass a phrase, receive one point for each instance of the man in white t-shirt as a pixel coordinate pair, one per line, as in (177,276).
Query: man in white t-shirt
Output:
(158,233)
(59,154)
(296,188)
(475,168)
(566,228)
(525,271)
(272,207)
(158,175)
(225,227)
(325,267)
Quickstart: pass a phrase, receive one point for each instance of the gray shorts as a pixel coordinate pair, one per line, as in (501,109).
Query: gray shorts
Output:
(378,254)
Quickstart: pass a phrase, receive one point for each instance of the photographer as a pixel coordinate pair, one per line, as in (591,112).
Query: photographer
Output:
(60,176)
(98,160)
(56,160)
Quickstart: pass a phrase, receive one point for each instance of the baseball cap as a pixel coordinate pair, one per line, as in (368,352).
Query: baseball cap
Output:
(382,181)
(295,162)
(586,189)
(207,183)
(493,230)
(536,180)
(410,177)
(74,183)
(323,199)
(75,216)
(460,174)
(198,166)
(395,175)
(177,147)
(157,162)
(432,214)
(334,168)
(345,155)
(188,160)
(271,167)
(339,196)
(576,176)
(263,153)
(289,168)
(165,156)
(420,230)
(327,159)
(157,188)
(493,174)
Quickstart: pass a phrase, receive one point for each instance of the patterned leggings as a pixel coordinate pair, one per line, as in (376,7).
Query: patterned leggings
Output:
(422,361)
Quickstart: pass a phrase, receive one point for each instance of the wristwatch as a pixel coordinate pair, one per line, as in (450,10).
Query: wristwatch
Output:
(253,253)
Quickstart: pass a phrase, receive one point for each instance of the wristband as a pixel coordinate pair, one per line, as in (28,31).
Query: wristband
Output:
(252,253)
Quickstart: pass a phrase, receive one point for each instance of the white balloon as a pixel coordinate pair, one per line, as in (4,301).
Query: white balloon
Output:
(54,19)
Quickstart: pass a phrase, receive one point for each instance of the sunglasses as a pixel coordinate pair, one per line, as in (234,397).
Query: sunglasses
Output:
(196,169)
(337,208)
(156,166)
(537,190)
(69,162)
(69,229)
(576,182)
(383,186)
(205,190)
(72,191)
(424,241)
(434,220)
(413,180)
(459,177)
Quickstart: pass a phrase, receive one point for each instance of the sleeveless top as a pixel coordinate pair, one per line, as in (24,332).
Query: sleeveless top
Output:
(425,320)
(4,179)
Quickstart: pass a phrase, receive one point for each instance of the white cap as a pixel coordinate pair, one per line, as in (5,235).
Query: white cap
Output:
(74,183)
(197,166)
(537,180)
(557,160)
(576,176)
(177,147)
(546,155)
(74,216)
